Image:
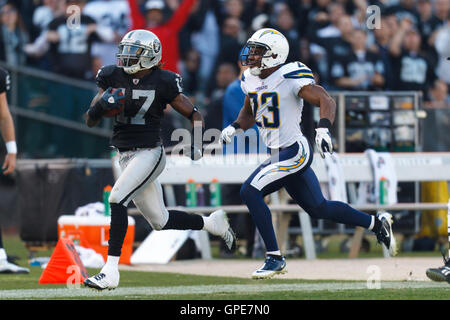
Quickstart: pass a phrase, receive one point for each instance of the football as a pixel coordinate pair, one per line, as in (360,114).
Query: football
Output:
(113,112)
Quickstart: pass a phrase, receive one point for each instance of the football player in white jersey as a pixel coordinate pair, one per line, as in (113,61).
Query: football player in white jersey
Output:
(274,101)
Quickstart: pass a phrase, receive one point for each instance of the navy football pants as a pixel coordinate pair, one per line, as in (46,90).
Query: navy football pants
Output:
(301,184)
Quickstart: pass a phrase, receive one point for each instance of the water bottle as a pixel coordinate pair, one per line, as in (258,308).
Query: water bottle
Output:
(191,194)
(200,195)
(214,191)
(383,190)
(106,193)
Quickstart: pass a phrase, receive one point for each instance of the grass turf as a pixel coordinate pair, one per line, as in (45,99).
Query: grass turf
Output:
(136,279)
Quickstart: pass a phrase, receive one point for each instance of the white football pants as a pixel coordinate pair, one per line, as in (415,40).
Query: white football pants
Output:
(138,182)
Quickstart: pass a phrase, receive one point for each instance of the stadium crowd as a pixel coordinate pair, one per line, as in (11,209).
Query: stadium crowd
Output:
(341,40)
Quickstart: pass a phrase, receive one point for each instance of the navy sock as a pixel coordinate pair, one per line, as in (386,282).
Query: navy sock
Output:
(260,214)
(341,212)
(118,228)
(180,220)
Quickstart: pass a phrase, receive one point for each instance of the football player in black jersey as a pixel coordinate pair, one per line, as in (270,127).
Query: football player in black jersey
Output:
(9,164)
(146,89)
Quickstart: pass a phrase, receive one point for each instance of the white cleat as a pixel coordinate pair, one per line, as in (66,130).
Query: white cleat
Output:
(8,267)
(386,236)
(271,267)
(106,279)
(217,224)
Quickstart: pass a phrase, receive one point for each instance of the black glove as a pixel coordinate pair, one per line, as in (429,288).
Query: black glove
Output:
(108,101)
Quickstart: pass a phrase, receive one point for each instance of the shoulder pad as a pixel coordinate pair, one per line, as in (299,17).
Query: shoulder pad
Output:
(106,71)
(168,75)
(297,70)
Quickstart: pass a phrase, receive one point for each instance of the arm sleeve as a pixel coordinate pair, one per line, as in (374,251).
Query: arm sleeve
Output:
(137,19)
(179,18)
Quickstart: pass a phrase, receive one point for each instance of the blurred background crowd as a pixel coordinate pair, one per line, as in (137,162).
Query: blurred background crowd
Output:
(342,41)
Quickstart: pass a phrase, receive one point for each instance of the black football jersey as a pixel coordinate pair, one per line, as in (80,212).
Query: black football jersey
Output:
(4,80)
(139,124)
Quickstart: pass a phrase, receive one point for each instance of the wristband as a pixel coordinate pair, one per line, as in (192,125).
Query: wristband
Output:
(11,147)
(195,109)
(324,123)
(235,125)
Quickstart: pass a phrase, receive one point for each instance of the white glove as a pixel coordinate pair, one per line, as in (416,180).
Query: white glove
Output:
(227,134)
(323,141)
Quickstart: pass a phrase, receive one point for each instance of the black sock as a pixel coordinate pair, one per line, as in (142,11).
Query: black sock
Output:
(118,229)
(277,257)
(1,241)
(377,225)
(180,220)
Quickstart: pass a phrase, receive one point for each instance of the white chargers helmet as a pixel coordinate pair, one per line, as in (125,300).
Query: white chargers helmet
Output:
(271,44)
(139,50)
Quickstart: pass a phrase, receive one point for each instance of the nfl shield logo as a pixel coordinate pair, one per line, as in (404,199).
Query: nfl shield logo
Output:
(135,81)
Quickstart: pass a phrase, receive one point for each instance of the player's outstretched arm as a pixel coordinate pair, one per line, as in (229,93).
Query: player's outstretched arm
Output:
(89,121)
(318,96)
(244,121)
(184,106)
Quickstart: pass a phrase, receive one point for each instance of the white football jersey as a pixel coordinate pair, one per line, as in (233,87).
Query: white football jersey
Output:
(276,106)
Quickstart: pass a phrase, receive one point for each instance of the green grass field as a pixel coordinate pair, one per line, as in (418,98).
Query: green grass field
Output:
(138,285)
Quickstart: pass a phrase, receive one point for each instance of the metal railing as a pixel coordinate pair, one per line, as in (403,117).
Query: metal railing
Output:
(20,110)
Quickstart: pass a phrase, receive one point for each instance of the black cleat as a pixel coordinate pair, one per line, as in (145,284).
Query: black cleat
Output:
(385,236)
(440,274)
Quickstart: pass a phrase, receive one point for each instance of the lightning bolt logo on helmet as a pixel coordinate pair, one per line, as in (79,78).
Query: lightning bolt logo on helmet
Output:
(270,45)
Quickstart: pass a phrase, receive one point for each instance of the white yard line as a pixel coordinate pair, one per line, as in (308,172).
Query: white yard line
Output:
(209,289)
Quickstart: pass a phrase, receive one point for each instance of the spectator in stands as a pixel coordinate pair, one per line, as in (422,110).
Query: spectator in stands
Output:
(111,16)
(380,46)
(230,45)
(438,96)
(428,24)
(318,16)
(42,16)
(167,32)
(285,23)
(190,73)
(13,35)
(442,46)
(327,50)
(412,69)
(229,8)
(226,73)
(361,70)
(335,11)
(405,9)
(442,10)
(70,45)
(255,8)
